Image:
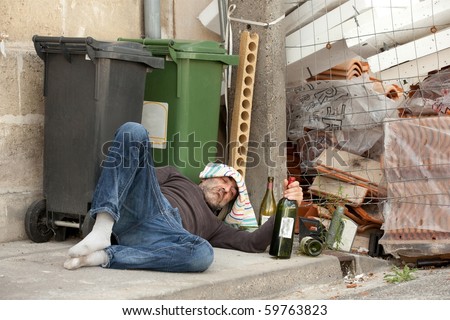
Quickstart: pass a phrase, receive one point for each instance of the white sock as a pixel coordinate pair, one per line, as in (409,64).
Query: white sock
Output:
(96,258)
(98,239)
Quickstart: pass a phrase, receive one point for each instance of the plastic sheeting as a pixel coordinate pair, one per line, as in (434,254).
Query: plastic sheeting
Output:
(431,97)
(347,114)
(417,172)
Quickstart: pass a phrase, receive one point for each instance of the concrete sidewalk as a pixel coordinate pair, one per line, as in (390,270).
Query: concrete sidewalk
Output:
(35,271)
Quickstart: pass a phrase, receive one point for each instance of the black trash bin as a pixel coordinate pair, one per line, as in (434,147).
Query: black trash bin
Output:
(91,87)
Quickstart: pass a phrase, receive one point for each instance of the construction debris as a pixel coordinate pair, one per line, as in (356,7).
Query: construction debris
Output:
(396,193)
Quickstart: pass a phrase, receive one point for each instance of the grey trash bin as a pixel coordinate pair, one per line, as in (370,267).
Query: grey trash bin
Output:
(91,87)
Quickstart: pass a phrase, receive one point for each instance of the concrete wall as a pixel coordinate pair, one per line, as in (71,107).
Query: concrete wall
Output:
(21,79)
(179,20)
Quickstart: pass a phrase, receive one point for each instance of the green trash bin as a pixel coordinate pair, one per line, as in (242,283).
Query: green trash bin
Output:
(183,102)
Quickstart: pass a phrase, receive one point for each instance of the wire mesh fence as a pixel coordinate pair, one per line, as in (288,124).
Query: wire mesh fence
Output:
(368,101)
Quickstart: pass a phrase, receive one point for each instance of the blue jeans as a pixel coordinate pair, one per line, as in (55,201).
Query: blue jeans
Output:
(147,228)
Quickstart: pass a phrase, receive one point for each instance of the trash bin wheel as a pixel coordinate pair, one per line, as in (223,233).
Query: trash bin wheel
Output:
(36,226)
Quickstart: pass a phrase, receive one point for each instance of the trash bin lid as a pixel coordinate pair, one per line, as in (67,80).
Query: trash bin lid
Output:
(128,51)
(187,46)
(187,49)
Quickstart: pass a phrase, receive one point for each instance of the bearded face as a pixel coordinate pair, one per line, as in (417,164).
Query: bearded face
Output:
(219,191)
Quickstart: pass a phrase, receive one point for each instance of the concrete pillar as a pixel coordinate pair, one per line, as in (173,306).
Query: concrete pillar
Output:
(266,153)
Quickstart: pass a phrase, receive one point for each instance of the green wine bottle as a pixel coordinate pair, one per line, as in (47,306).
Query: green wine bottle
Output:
(268,204)
(310,246)
(283,230)
(335,229)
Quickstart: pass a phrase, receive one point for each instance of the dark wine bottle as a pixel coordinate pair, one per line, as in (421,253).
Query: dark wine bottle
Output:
(283,230)
(268,205)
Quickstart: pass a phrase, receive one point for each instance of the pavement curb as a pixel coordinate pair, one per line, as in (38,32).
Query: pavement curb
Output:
(35,271)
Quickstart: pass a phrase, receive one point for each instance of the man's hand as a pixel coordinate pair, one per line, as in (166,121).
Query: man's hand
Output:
(293,191)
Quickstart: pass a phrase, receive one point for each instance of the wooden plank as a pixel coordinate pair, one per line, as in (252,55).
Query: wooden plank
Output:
(343,22)
(338,190)
(407,73)
(307,12)
(375,191)
(352,165)
(394,26)
(413,50)
(306,37)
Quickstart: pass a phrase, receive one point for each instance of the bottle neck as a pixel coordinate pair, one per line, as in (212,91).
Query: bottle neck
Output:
(270,184)
(291,180)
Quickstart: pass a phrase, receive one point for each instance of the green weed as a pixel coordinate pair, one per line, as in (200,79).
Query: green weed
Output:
(400,275)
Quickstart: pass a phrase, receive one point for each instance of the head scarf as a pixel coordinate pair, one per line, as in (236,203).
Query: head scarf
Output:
(241,214)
